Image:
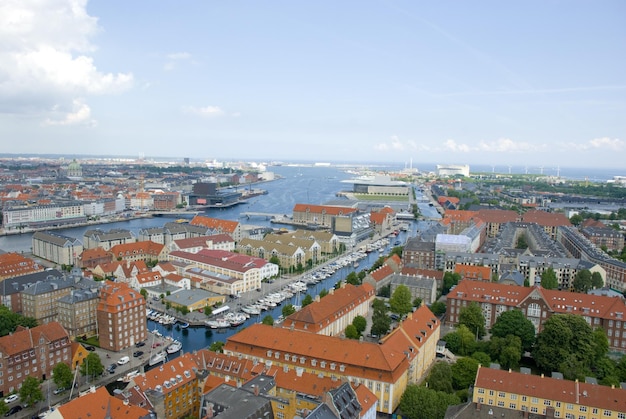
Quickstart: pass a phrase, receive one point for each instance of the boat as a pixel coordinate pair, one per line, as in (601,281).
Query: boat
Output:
(236,319)
(218,324)
(184,325)
(355,264)
(157,358)
(174,347)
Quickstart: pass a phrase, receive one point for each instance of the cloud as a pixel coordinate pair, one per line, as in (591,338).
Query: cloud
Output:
(174,58)
(395,144)
(209,112)
(45,58)
(603,144)
(80,115)
(453,146)
(506,145)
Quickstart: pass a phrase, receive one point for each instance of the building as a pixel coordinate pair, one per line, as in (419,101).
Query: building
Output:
(107,239)
(538,305)
(218,226)
(332,314)
(379,185)
(552,397)
(32,353)
(16,217)
(604,237)
(420,287)
(419,254)
(14,264)
(195,244)
(195,299)
(453,170)
(39,300)
(386,368)
(550,221)
(121,317)
(143,250)
(316,216)
(10,290)
(288,255)
(76,312)
(90,258)
(496,218)
(62,250)
(99,404)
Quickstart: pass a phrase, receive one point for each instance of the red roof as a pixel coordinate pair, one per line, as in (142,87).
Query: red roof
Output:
(215,223)
(546,219)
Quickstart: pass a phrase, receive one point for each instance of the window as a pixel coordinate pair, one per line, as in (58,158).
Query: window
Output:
(512,406)
(533,409)
(501,394)
(607,413)
(547,402)
(534,400)
(500,403)
(524,398)
(513,396)
(481,391)
(583,408)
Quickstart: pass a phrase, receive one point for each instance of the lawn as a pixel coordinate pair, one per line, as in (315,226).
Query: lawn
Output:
(390,198)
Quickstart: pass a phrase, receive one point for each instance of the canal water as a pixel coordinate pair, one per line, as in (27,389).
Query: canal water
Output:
(296,185)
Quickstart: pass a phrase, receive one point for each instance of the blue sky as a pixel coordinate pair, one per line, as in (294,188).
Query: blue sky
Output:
(472,82)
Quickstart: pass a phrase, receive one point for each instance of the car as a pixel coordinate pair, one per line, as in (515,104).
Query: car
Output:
(137,354)
(59,390)
(140,344)
(111,368)
(11,398)
(90,348)
(123,360)
(13,410)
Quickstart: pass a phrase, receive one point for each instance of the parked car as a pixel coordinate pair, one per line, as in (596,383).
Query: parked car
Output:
(123,360)
(111,368)
(137,354)
(13,410)
(140,344)
(11,398)
(90,348)
(59,390)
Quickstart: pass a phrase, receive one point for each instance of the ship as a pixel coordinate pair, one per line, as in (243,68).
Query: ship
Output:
(157,358)
(174,347)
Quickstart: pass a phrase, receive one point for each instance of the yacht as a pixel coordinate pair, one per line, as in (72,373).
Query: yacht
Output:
(174,347)
(157,358)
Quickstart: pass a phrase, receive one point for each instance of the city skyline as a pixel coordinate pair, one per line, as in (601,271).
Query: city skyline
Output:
(529,84)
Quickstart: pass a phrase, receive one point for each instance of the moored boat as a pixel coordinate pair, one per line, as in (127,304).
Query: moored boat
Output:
(157,358)
(174,347)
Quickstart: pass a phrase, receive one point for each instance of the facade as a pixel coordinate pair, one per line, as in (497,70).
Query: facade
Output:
(527,394)
(58,214)
(550,221)
(10,291)
(90,258)
(496,218)
(144,250)
(218,226)
(420,287)
(62,250)
(289,256)
(386,368)
(39,300)
(319,215)
(332,314)
(107,239)
(14,264)
(419,254)
(76,312)
(32,352)
(538,305)
(604,237)
(121,317)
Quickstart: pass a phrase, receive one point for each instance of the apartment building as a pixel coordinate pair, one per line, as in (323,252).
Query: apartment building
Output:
(97,404)
(288,255)
(538,305)
(76,312)
(107,239)
(13,264)
(121,317)
(143,250)
(57,248)
(419,254)
(218,226)
(496,218)
(552,397)
(32,353)
(332,314)
(550,221)
(15,217)
(320,215)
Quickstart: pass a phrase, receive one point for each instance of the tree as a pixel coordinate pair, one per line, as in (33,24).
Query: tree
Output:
(507,350)
(91,366)
(351,332)
(482,357)
(3,407)
(417,302)
(62,375)
(438,308)
(464,372)
(275,260)
(548,279)
(461,342)
(419,402)
(360,323)
(30,392)
(472,317)
(449,280)
(217,346)
(565,335)
(582,281)
(380,323)
(288,310)
(353,279)
(307,300)
(440,377)
(400,301)
(144,293)
(596,280)
(9,321)
(208,311)
(514,322)
(268,320)
(576,219)
(323,293)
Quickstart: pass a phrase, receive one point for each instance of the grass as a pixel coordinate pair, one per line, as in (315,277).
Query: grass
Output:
(93,341)
(392,198)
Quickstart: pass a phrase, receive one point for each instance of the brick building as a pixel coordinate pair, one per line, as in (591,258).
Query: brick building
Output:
(121,317)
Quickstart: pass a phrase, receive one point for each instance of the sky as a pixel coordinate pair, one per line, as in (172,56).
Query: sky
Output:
(531,83)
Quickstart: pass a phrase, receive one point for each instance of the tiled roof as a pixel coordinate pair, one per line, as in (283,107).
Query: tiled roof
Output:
(95,253)
(473,272)
(382,273)
(497,216)
(460,215)
(145,277)
(170,376)
(113,293)
(14,264)
(565,391)
(24,339)
(327,209)
(101,405)
(367,399)
(224,259)
(143,247)
(546,219)
(202,241)
(215,223)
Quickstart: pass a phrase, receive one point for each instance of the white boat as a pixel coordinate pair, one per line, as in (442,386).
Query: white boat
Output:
(236,319)
(157,358)
(218,324)
(174,347)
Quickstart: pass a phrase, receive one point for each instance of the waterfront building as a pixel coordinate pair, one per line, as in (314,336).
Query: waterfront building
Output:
(538,304)
(328,241)
(32,352)
(15,217)
(94,238)
(194,299)
(90,258)
(13,264)
(289,255)
(218,226)
(332,314)
(212,242)
(312,249)
(121,317)
(419,254)
(166,201)
(527,394)
(207,194)
(386,368)
(97,403)
(57,248)
(379,185)
(144,250)
(319,216)
(453,170)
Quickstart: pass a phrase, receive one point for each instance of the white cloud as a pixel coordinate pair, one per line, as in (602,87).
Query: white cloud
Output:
(506,145)
(45,61)
(451,145)
(612,144)
(80,115)
(209,112)
(395,144)
(174,58)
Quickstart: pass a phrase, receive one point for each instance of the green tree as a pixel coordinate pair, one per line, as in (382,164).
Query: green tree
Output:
(381,323)
(449,280)
(464,372)
(482,357)
(385,291)
(353,279)
(565,335)
(419,402)
(600,344)
(400,301)
(576,219)
(288,310)
(440,377)
(438,308)
(307,300)
(217,346)
(323,293)
(275,260)
(30,392)
(596,280)
(472,317)
(4,408)
(91,366)
(9,321)
(417,302)
(62,375)
(548,279)
(461,342)
(582,281)
(208,311)
(268,320)
(360,323)
(351,332)
(144,293)
(514,322)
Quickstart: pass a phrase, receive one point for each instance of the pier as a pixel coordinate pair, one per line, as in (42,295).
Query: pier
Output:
(266,215)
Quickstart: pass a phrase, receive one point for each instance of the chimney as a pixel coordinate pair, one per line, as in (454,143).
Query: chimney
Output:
(256,390)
